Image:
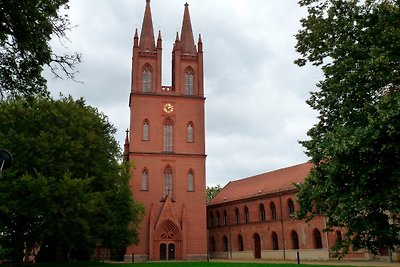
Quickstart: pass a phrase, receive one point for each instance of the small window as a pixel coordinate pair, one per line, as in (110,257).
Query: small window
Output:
(167,182)
(168,136)
(237,216)
(290,207)
(190,181)
(217,219)
(273,211)
(146,79)
(145,180)
(262,212)
(189,82)
(246,214)
(225,218)
(189,133)
(317,239)
(145,130)
(210,219)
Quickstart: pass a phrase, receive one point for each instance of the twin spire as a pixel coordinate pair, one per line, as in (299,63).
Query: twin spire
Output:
(147,34)
(147,41)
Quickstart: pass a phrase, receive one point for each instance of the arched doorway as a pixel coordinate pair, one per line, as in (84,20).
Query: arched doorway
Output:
(171,251)
(163,251)
(257,246)
(167,242)
(167,252)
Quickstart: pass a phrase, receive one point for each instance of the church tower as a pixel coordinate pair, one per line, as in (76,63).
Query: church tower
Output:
(166,144)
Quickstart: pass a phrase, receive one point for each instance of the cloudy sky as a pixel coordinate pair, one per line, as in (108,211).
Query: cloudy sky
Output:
(255,106)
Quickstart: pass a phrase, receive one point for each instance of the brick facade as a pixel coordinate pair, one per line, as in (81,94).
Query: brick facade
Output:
(167,147)
(251,218)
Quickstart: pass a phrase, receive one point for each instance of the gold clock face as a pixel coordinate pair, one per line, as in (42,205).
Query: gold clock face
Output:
(168,108)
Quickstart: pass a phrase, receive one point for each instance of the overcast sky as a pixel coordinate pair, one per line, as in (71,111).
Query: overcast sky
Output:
(255,95)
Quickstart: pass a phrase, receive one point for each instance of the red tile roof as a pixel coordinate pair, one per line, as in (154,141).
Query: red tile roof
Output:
(263,184)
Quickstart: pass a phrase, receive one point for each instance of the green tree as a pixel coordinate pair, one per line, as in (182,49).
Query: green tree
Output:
(212,191)
(67,190)
(26,28)
(355,145)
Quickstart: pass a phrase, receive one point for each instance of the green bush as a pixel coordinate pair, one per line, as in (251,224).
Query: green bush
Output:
(5,253)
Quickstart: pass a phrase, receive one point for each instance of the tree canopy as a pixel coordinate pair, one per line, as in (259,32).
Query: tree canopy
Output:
(355,145)
(212,191)
(67,190)
(26,28)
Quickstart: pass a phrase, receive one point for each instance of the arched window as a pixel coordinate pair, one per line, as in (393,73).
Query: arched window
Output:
(146,130)
(262,212)
(168,135)
(225,241)
(189,82)
(317,239)
(295,240)
(240,242)
(189,133)
(210,219)
(146,79)
(217,219)
(246,214)
(167,182)
(275,244)
(290,207)
(225,219)
(273,211)
(190,181)
(145,180)
(237,216)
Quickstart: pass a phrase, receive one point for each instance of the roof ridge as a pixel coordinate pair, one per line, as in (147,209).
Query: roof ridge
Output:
(273,171)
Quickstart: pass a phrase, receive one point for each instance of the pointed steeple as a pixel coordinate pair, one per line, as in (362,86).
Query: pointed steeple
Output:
(177,43)
(136,39)
(126,147)
(187,41)
(147,34)
(200,44)
(159,40)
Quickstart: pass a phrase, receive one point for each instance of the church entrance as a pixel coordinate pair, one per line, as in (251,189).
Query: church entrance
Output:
(168,242)
(167,252)
(163,251)
(171,251)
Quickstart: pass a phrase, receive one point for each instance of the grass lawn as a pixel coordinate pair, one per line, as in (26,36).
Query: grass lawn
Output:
(173,264)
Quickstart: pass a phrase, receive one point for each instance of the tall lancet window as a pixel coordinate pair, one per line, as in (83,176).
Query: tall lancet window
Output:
(167,182)
(189,133)
(146,130)
(145,180)
(168,136)
(190,181)
(188,82)
(146,79)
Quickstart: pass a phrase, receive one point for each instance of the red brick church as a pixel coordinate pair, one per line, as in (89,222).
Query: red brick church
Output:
(166,144)
(250,218)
